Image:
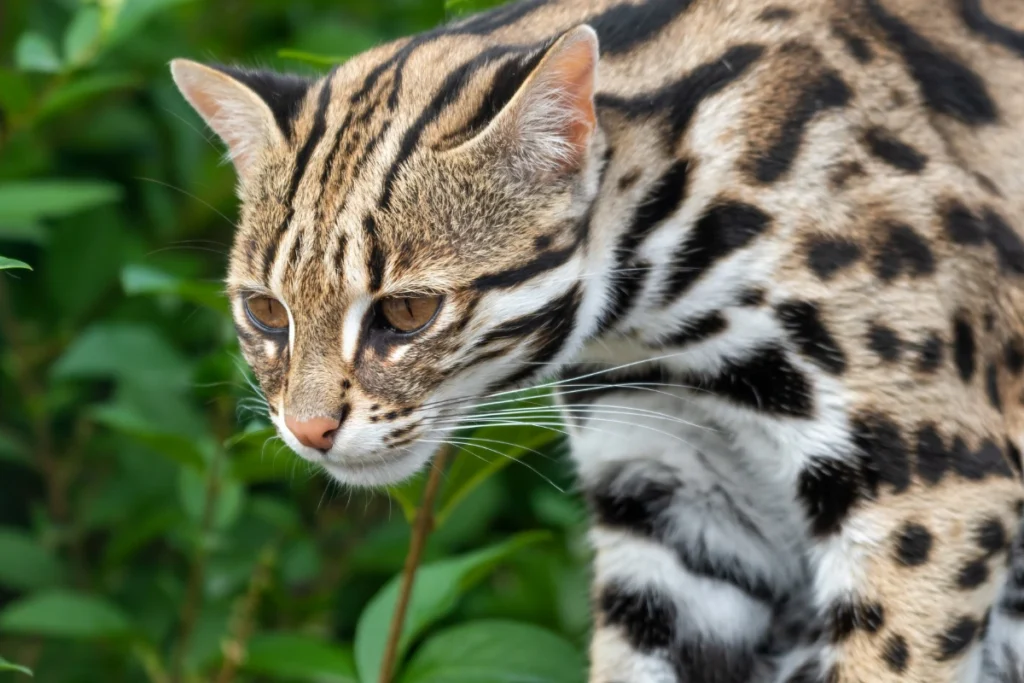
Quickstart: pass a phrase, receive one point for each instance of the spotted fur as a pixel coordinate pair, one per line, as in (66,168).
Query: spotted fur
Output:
(773,254)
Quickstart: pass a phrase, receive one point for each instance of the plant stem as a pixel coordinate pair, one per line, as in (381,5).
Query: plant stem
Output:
(422,527)
(234,648)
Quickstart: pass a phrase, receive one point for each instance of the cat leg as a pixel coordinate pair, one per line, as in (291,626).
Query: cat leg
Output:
(1003,658)
(691,565)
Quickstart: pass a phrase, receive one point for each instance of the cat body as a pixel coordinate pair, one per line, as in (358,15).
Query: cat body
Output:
(771,254)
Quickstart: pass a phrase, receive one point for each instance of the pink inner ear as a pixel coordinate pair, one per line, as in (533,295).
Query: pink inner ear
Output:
(575,72)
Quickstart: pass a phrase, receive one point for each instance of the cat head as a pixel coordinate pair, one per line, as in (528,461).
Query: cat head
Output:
(412,236)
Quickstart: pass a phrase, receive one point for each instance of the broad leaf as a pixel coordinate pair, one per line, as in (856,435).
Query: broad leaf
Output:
(174,446)
(495,651)
(81,39)
(145,280)
(435,593)
(293,656)
(13,449)
(132,14)
(8,666)
(64,614)
(9,264)
(129,353)
(35,52)
(81,90)
(26,564)
(31,200)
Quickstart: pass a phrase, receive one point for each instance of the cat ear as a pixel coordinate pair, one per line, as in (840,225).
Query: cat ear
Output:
(249,110)
(549,122)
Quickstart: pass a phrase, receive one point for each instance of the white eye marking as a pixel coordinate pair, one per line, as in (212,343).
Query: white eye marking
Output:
(352,327)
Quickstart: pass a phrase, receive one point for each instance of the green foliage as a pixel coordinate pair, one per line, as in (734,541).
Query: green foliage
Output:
(152,528)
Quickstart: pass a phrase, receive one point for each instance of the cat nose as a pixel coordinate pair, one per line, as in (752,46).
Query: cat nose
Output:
(316,433)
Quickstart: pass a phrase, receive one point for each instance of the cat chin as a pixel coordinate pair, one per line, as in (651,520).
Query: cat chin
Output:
(387,470)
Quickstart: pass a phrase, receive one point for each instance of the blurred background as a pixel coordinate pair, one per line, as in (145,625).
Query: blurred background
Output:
(151,529)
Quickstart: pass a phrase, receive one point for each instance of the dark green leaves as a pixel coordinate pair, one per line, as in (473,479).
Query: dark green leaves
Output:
(26,564)
(8,666)
(64,614)
(10,264)
(493,651)
(292,657)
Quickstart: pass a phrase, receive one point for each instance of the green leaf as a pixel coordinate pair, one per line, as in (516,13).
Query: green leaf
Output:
(493,449)
(26,565)
(294,656)
(495,651)
(13,449)
(8,666)
(435,593)
(64,614)
(81,39)
(174,446)
(35,52)
(9,263)
(192,489)
(315,60)
(132,14)
(145,280)
(129,353)
(81,90)
(32,200)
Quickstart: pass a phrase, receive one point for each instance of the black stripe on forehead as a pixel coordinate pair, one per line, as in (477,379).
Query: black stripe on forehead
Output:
(446,95)
(301,162)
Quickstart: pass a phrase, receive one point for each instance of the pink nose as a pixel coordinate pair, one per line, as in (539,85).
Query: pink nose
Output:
(316,433)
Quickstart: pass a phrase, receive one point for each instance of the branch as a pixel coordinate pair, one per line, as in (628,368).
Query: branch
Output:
(421,530)
(234,648)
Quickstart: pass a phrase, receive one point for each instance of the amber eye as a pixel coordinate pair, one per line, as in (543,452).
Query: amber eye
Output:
(267,313)
(409,313)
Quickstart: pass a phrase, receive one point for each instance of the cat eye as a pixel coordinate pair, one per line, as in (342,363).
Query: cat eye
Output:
(407,314)
(267,313)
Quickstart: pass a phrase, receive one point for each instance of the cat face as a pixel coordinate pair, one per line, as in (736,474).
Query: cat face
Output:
(397,263)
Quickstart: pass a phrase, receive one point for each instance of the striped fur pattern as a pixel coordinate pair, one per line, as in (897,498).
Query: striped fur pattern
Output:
(771,254)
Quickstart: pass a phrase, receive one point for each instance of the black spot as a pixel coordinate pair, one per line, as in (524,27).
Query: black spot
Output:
(913,544)
(1009,247)
(802,321)
(933,460)
(1013,356)
(705,659)
(992,386)
(855,45)
(972,575)
(346,385)
(1015,458)
(828,255)
(647,617)
(828,489)
(678,101)
(628,180)
(991,537)
(963,347)
(846,616)
(724,228)
(974,16)
(882,444)
(752,297)
(896,653)
(283,93)
(884,341)
(956,638)
(766,381)
(894,151)
(542,242)
(634,503)
(930,353)
(842,172)
(776,14)
(986,184)
(962,225)
(948,86)
(698,330)
(903,251)
(987,460)
(828,91)
(622,27)
(625,284)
